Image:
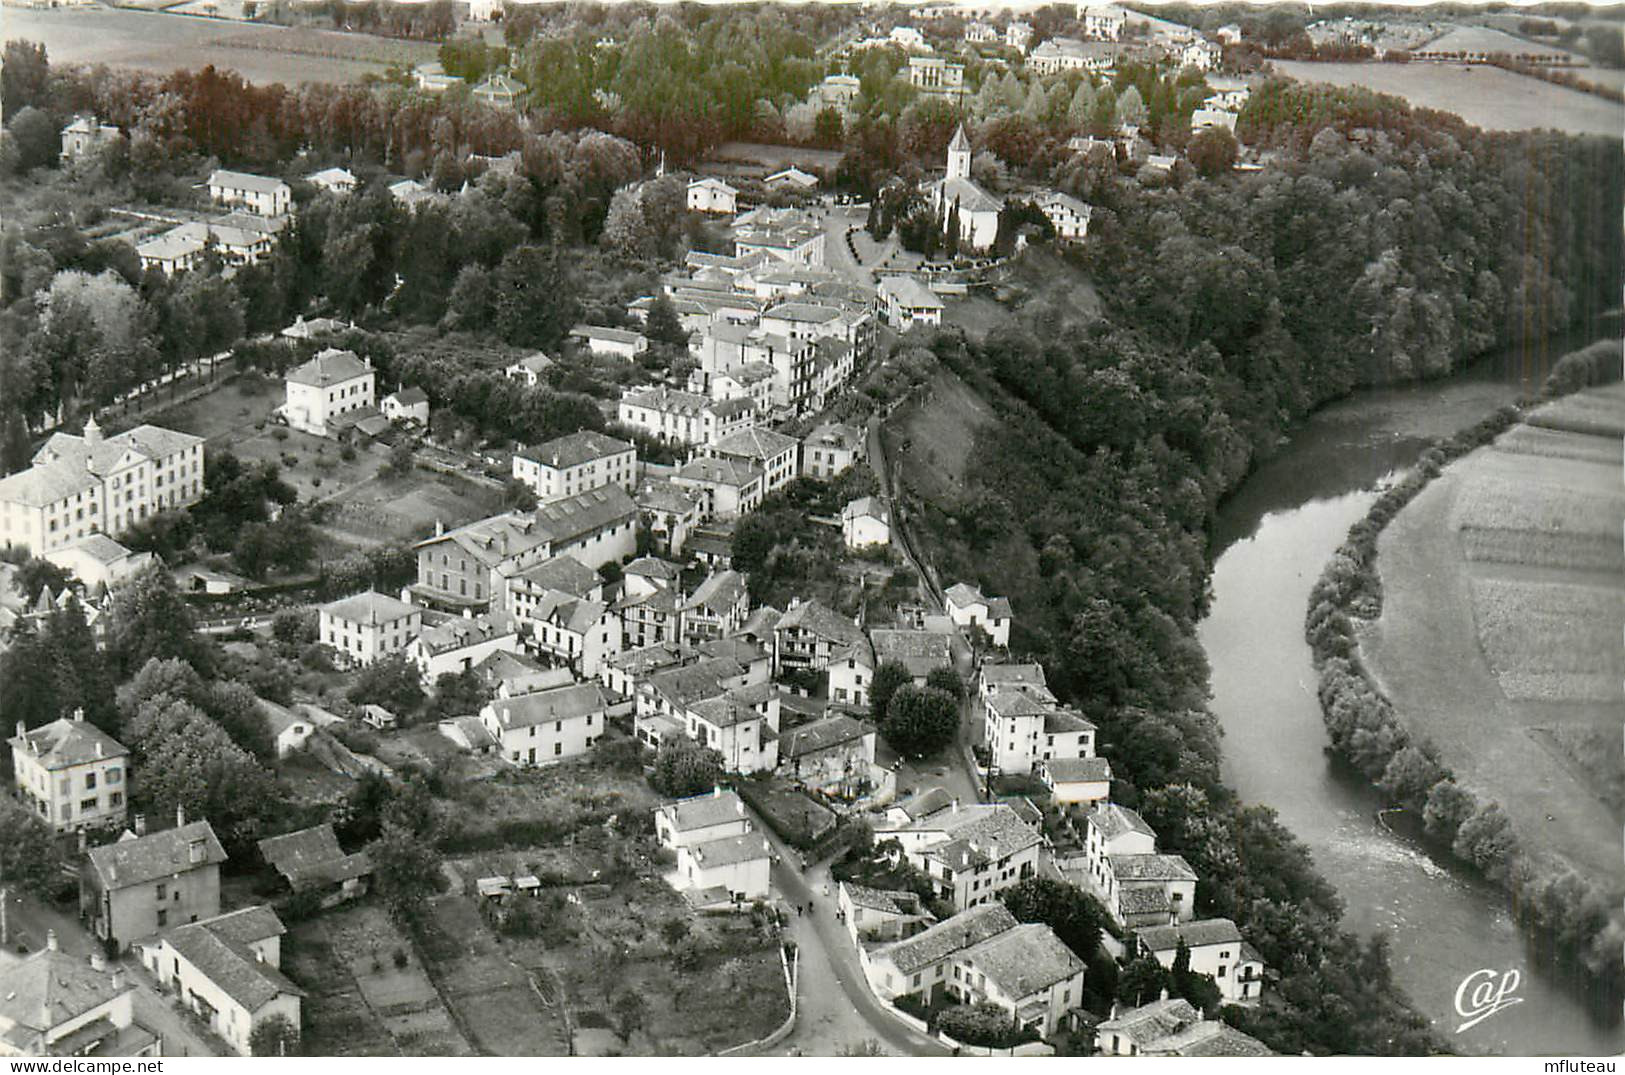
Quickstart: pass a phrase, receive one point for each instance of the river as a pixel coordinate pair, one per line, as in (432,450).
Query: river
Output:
(1272,538)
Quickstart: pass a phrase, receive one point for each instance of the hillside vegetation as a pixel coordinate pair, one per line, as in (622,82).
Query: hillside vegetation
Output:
(1384,245)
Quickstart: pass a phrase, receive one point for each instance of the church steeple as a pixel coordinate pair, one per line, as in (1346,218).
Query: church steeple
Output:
(959,155)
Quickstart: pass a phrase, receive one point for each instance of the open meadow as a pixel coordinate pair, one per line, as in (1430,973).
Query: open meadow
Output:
(1486,97)
(162,42)
(1504,602)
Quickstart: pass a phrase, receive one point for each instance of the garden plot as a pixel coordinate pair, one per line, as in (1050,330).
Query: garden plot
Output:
(1541,512)
(1558,444)
(1552,642)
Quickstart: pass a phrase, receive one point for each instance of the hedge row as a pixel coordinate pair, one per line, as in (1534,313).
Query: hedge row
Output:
(1574,913)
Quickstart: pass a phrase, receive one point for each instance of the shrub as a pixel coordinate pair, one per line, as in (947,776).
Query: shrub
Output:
(279,433)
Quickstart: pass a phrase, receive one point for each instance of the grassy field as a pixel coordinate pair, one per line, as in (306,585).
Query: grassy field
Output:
(1504,600)
(160,43)
(1486,97)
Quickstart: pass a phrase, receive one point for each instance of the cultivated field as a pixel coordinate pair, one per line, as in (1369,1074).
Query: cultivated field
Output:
(161,43)
(1486,97)
(1504,602)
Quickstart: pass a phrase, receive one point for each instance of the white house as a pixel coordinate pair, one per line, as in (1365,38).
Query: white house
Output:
(774,454)
(969,852)
(367,627)
(1172,1028)
(850,673)
(1202,55)
(1066,214)
(575,632)
(1018,35)
(1058,54)
(720,488)
(529,369)
(905,302)
(1076,780)
(1027,971)
(1025,726)
(100,562)
(457,645)
(699,819)
(547,726)
(71,773)
(84,135)
(331,384)
(936,76)
(333,180)
(1148,889)
(791,178)
(736,865)
(256,193)
(980,33)
(873,914)
(289,730)
(921,964)
(1216,948)
(611,341)
(59,1005)
(1102,21)
(712,195)
(226,972)
(835,754)
(1203,118)
(831,449)
(866,522)
(407,405)
(967,606)
(575,463)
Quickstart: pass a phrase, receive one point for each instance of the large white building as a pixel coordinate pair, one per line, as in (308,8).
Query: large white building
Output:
(71,773)
(712,195)
(333,383)
(576,463)
(367,627)
(256,193)
(774,454)
(1216,948)
(88,485)
(547,726)
(959,195)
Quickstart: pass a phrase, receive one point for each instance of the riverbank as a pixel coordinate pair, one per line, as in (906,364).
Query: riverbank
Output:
(1497,654)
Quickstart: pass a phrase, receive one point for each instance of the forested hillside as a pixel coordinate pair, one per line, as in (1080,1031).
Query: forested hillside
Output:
(1383,244)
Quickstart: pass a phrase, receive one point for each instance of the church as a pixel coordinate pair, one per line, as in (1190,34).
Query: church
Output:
(978,210)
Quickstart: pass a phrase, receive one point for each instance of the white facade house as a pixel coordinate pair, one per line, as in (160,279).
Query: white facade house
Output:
(711,195)
(256,193)
(968,607)
(1104,22)
(850,673)
(739,866)
(458,645)
(699,819)
(529,370)
(289,730)
(1027,971)
(905,302)
(1018,35)
(100,562)
(831,449)
(1024,727)
(1203,118)
(407,405)
(1202,55)
(367,627)
(575,463)
(85,135)
(774,454)
(547,726)
(791,179)
(79,486)
(1216,948)
(1076,780)
(935,76)
(1066,214)
(331,384)
(338,181)
(60,1005)
(866,522)
(71,773)
(226,972)
(1057,54)
(601,340)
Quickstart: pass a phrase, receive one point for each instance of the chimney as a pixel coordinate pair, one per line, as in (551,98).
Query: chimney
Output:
(141,824)
(439,528)
(22,729)
(1113,1014)
(98,748)
(716,791)
(118,979)
(1164,995)
(97,960)
(180,815)
(93,433)
(739,807)
(79,716)
(50,940)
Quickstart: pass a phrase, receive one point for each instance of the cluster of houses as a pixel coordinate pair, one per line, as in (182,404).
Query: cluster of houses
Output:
(258,209)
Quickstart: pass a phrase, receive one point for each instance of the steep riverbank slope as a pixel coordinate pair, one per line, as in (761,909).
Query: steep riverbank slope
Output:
(1504,596)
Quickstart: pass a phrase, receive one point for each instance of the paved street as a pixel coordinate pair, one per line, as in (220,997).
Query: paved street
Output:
(835,1008)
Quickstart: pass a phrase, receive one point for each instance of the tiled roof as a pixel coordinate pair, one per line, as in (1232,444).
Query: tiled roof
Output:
(369,607)
(963,595)
(1144,899)
(690,683)
(722,711)
(1024,960)
(600,332)
(1113,821)
(1150,868)
(328,368)
(969,197)
(802,311)
(715,807)
(66,742)
(1195,934)
(666,400)
(653,567)
(136,860)
(730,851)
(409,397)
(712,471)
(822,735)
(823,622)
(51,987)
(459,632)
(991,829)
(564,520)
(563,573)
(721,592)
(655,495)
(872,506)
(1150,1022)
(494,539)
(1074,770)
(312,856)
(1207,1038)
(918,651)
(835,435)
(560,703)
(1002,675)
(244,181)
(574,449)
(925,803)
(219,949)
(880,899)
(758,444)
(735,647)
(762,622)
(645,658)
(910,293)
(948,937)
